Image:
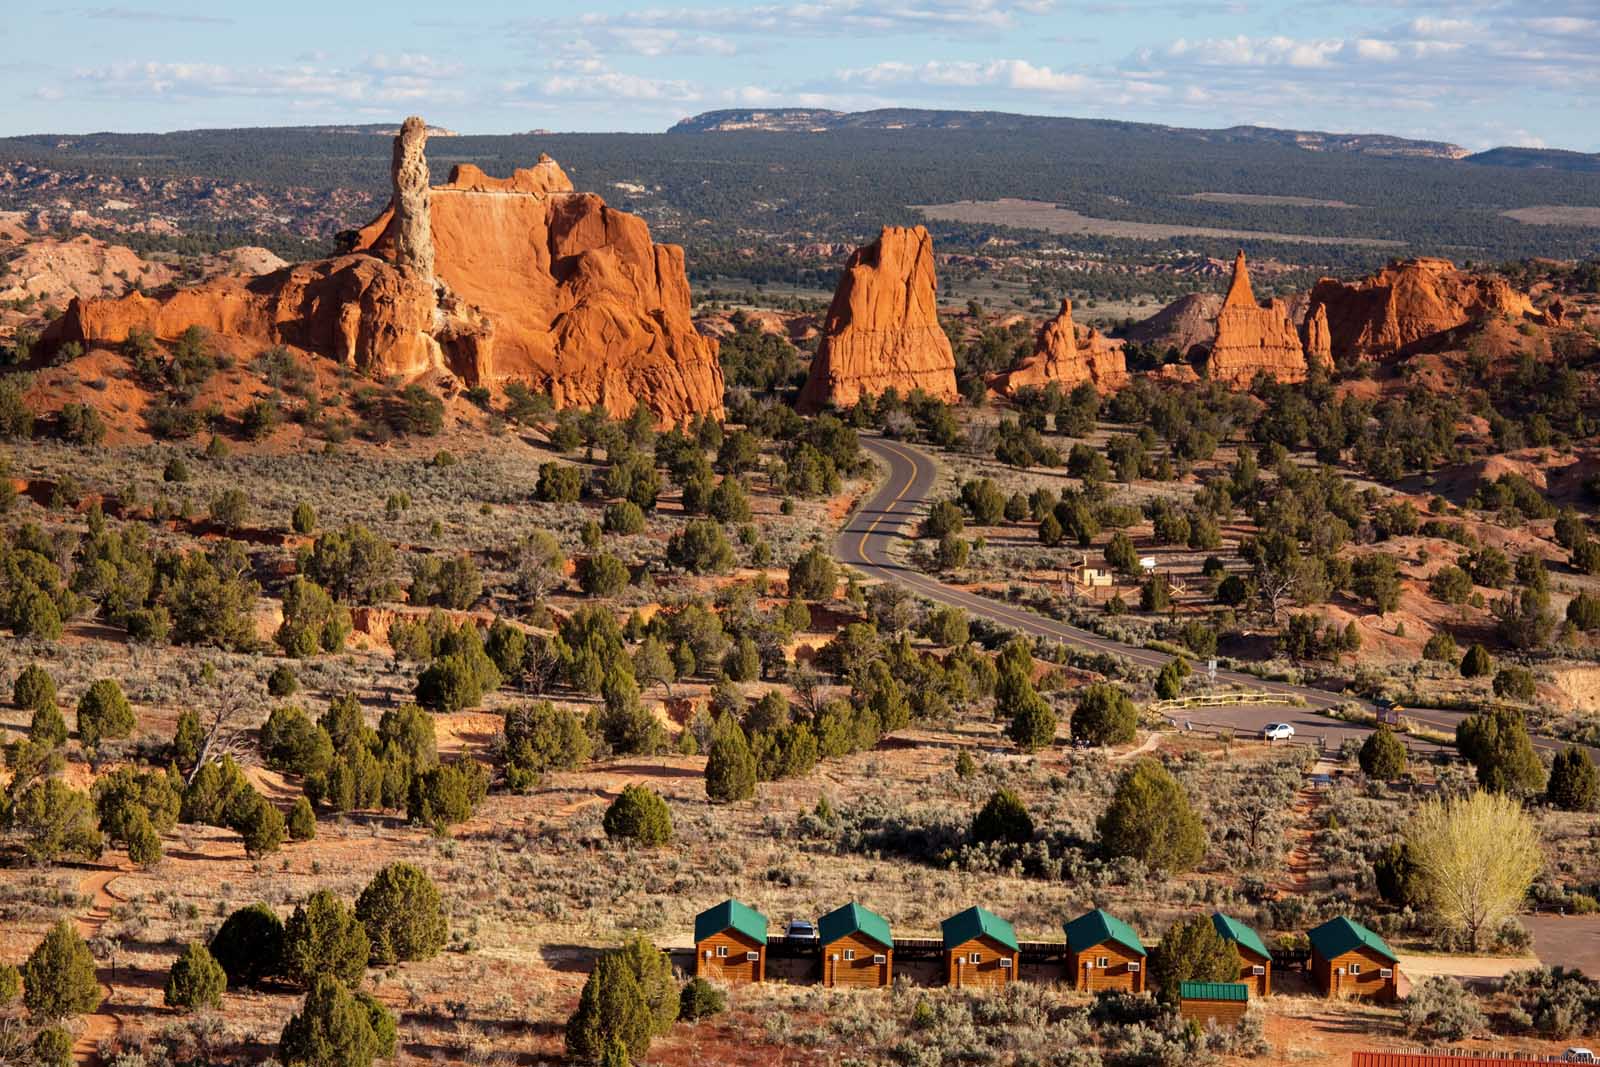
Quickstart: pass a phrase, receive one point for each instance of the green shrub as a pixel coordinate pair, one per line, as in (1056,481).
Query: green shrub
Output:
(59,977)
(302,821)
(700,1000)
(336,1028)
(700,548)
(230,509)
(282,682)
(52,1047)
(814,575)
(1149,819)
(1192,951)
(34,689)
(639,814)
(304,519)
(730,766)
(196,980)
(1383,755)
(1105,715)
(447,794)
(541,737)
(602,574)
(324,939)
(1004,817)
(249,946)
(623,518)
(1574,783)
(103,714)
(1476,663)
(402,915)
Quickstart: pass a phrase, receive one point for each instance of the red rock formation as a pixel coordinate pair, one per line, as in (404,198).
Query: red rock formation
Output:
(576,297)
(1252,339)
(1317,338)
(356,309)
(529,281)
(1059,357)
(1408,305)
(882,330)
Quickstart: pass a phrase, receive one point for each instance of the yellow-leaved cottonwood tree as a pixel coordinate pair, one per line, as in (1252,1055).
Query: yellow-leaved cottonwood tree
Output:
(1475,858)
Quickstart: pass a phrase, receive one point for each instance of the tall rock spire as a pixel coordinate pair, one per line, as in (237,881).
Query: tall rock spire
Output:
(1239,293)
(413,246)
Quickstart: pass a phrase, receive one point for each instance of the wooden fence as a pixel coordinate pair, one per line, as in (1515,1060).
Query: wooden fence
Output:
(1223,700)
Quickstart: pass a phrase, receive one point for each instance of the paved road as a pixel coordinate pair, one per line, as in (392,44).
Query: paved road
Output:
(865,541)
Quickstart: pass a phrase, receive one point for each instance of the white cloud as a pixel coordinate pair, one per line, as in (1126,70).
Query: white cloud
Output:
(1017,74)
(1383,51)
(1243,51)
(375,80)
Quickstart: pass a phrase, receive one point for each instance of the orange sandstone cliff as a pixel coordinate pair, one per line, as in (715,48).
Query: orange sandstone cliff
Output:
(1252,338)
(882,329)
(487,279)
(1410,304)
(1058,356)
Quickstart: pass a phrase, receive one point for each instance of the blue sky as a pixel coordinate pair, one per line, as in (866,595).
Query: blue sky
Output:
(1476,72)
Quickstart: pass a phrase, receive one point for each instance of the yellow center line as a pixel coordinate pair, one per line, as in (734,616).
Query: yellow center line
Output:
(861,546)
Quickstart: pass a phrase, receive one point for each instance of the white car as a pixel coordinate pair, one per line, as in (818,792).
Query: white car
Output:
(1578,1055)
(1277,731)
(799,929)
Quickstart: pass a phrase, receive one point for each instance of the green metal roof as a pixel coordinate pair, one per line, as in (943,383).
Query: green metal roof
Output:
(854,919)
(975,922)
(1338,936)
(730,915)
(1236,991)
(1097,927)
(1231,929)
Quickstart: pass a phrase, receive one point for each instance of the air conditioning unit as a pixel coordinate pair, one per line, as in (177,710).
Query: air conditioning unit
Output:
(1258,970)
(880,958)
(752,956)
(1134,966)
(1387,972)
(1005,963)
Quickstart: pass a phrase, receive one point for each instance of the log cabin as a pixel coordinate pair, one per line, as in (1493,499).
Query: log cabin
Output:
(857,947)
(1348,960)
(980,949)
(1255,962)
(1103,952)
(730,944)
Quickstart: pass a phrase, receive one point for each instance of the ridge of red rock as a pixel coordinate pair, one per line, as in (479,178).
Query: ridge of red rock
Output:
(882,330)
(1253,338)
(529,281)
(1058,356)
(1409,304)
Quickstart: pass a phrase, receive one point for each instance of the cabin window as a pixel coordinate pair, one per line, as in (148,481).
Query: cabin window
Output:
(976,957)
(1102,961)
(1355,968)
(722,952)
(849,953)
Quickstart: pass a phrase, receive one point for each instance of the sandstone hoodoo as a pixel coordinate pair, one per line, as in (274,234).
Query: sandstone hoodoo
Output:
(1410,304)
(1059,356)
(882,329)
(1252,338)
(487,279)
